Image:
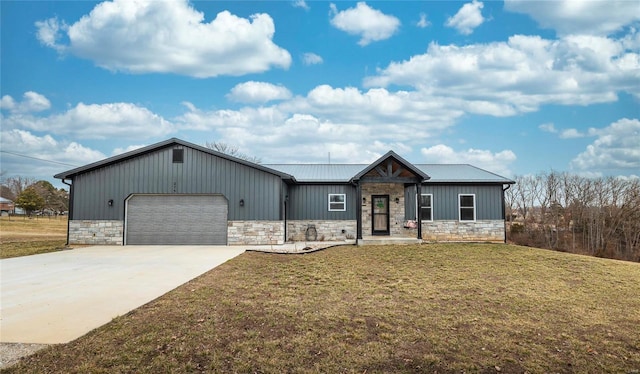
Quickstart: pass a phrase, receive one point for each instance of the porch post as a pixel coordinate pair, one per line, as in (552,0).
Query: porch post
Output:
(359,211)
(418,210)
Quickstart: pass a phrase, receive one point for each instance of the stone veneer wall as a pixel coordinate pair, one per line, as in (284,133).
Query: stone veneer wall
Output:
(396,210)
(327,230)
(96,232)
(456,231)
(255,232)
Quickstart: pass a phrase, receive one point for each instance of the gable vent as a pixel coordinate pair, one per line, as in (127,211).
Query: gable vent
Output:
(178,156)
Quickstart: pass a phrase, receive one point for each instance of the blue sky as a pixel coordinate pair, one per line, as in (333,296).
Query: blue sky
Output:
(514,87)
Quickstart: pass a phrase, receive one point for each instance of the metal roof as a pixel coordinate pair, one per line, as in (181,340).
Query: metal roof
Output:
(320,172)
(439,173)
(156,146)
(465,173)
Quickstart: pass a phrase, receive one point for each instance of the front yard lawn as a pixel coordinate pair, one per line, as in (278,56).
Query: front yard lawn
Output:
(423,308)
(22,236)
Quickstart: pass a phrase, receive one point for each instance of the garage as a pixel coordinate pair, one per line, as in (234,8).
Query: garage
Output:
(176,219)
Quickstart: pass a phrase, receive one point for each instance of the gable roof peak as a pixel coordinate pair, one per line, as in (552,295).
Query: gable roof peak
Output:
(403,163)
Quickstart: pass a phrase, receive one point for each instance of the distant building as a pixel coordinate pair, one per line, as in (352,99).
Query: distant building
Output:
(6,206)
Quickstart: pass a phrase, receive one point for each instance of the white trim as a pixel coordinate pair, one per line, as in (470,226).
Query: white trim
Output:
(344,202)
(460,208)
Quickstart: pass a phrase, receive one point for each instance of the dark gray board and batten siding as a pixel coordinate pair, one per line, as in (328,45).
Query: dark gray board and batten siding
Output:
(445,200)
(310,202)
(156,173)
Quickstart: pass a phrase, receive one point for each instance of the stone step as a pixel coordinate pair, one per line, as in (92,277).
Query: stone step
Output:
(384,240)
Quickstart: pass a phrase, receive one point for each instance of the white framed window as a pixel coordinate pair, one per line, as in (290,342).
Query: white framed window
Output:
(467,207)
(337,202)
(426,207)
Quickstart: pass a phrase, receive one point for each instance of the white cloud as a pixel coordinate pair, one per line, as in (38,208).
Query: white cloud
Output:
(593,17)
(7,103)
(494,162)
(300,4)
(168,37)
(423,22)
(310,58)
(51,156)
(548,127)
(96,121)
(258,92)
(120,150)
(521,74)
(370,24)
(468,18)
(571,134)
(49,32)
(329,118)
(400,113)
(32,102)
(616,147)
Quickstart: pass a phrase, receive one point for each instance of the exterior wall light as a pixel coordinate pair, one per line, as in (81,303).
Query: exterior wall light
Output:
(110,202)
(241,202)
(397,200)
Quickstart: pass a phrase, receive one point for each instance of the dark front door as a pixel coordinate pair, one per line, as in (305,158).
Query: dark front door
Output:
(380,214)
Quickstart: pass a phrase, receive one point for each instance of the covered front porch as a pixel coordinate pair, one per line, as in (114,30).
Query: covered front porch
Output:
(381,192)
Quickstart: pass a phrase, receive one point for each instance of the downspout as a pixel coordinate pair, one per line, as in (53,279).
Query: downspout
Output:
(504,215)
(70,207)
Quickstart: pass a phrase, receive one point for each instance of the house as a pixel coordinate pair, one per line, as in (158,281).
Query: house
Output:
(6,207)
(176,192)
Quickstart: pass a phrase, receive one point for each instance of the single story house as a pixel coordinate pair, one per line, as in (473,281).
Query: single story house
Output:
(176,192)
(6,206)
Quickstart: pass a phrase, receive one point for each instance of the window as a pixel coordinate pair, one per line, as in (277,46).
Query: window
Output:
(337,202)
(426,211)
(467,205)
(178,156)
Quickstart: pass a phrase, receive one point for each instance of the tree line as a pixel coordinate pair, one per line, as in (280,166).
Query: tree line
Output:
(566,212)
(35,196)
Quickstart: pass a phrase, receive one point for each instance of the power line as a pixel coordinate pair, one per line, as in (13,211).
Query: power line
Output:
(39,159)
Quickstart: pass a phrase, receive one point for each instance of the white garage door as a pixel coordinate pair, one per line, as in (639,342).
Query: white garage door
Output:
(176,219)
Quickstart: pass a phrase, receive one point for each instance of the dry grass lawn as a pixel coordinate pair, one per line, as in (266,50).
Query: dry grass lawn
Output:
(21,236)
(378,309)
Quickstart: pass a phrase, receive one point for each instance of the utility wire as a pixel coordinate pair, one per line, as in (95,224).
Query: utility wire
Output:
(39,159)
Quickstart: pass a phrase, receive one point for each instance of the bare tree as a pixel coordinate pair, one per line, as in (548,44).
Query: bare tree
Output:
(18,184)
(596,216)
(231,150)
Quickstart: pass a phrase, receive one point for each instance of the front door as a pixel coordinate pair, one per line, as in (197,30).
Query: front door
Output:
(380,212)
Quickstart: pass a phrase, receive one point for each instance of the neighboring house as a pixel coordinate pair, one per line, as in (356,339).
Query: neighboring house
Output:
(6,206)
(175,192)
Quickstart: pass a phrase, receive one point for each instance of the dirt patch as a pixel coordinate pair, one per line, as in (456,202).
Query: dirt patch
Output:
(10,353)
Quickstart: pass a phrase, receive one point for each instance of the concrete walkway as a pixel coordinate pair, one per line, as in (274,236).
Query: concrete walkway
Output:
(58,297)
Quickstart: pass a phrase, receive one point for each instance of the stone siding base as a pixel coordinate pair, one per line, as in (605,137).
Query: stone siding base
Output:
(456,231)
(255,232)
(325,230)
(98,232)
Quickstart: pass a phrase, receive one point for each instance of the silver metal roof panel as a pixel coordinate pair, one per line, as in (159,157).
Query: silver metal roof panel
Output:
(343,173)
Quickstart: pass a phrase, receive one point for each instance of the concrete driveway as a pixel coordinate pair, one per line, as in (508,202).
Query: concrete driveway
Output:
(58,297)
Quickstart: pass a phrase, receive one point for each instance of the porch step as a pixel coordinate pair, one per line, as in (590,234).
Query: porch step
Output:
(382,240)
